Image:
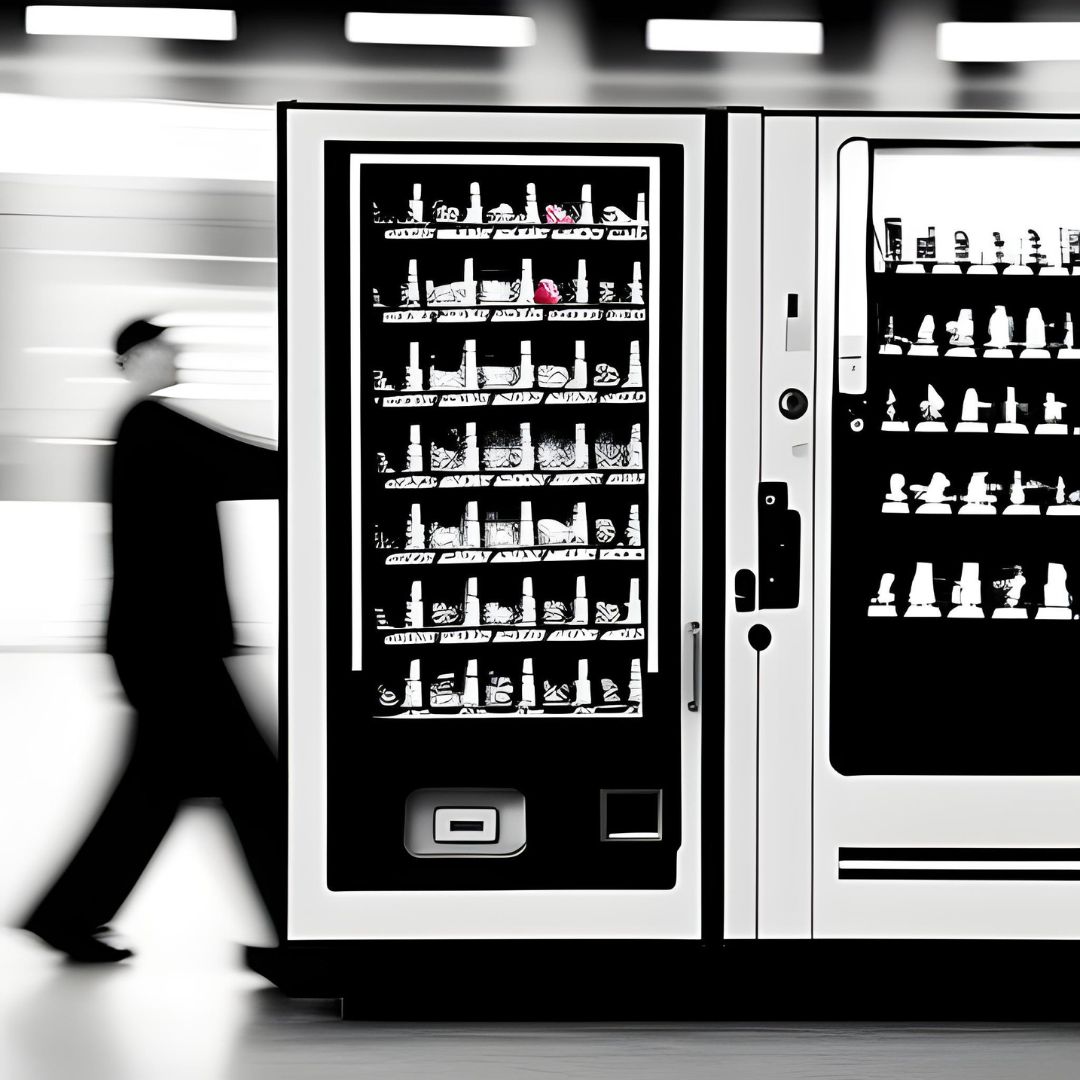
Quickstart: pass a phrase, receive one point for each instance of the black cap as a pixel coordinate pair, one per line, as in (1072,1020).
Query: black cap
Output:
(135,334)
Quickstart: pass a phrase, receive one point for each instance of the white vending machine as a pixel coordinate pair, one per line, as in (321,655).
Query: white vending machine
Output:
(564,391)
(902,759)
(492,331)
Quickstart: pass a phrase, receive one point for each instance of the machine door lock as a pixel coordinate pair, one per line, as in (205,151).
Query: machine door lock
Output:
(778,548)
(776,583)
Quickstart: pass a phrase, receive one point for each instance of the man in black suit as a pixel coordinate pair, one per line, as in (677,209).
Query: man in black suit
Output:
(169,630)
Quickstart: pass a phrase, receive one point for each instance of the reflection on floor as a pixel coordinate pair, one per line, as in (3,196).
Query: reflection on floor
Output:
(184,1009)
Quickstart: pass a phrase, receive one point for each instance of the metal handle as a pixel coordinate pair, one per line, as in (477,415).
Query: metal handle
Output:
(694,630)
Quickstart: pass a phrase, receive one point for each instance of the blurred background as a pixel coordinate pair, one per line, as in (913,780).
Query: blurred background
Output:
(137,180)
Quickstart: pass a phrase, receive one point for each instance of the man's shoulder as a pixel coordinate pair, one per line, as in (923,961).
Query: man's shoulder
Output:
(149,420)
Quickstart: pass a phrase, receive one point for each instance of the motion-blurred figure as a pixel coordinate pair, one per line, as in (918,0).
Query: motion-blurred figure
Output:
(170,628)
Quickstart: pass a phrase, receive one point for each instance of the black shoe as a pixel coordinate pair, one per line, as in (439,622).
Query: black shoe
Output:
(269,961)
(84,947)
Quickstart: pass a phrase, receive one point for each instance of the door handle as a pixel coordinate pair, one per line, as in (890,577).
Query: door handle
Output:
(694,629)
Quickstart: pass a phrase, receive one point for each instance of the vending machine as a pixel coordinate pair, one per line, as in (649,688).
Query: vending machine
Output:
(492,328)
(901,755)
(679,544)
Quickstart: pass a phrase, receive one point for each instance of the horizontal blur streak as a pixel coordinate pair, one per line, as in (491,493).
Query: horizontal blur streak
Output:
(138,139)
(56,573)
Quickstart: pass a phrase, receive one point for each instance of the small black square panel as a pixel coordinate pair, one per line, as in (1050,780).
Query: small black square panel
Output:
(633,814)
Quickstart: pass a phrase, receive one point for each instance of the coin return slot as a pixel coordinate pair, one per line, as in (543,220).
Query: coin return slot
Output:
(631,814)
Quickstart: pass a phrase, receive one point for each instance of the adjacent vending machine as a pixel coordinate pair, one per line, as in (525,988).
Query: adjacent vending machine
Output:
(901,753)
(566,390)
(493,335)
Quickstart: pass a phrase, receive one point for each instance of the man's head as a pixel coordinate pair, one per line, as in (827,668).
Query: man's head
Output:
(145,356)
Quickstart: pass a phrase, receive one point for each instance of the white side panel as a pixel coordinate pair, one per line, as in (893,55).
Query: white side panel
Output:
(921,811)
(315,912)
(743,350)
(786,681)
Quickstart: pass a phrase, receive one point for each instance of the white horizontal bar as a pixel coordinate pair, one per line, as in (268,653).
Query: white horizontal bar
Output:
(199,24)
(957,864)
(77,442)
(138,255)
(400,28)
(139,139)
(216,318)
(734,35)
(203,391)
(1007,42)
(67,350)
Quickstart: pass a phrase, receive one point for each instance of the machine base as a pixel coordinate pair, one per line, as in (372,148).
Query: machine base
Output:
(651,980)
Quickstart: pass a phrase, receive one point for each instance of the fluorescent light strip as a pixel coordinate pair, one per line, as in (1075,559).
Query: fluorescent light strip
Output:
(1008,42)
(734,35)
(138,255)
(198,24)
(400,28)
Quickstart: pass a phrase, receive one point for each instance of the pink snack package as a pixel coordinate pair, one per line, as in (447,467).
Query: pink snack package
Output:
(547,292)
(556,215)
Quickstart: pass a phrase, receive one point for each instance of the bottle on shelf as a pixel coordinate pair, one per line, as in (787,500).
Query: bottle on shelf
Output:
(415,609)
(416,205)
(883,605)
(896,500)
(890,423)
(585,217)
(967,594)
(969,421)
(1010,587)
(1057,601)
(1018,504)
(922,599)
(1010,425)
(1053,413)
(931,412)
(978,499)
(414,379)
(633,377)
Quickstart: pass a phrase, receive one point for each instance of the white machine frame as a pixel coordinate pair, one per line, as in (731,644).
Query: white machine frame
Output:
(314,911)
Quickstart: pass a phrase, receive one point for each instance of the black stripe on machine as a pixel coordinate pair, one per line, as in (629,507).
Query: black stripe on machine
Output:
(959,864)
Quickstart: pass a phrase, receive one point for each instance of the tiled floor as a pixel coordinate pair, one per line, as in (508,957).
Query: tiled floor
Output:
(184,1009)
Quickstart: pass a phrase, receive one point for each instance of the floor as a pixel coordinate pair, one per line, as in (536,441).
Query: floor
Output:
(160,1020)
(184,1008)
